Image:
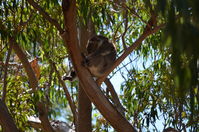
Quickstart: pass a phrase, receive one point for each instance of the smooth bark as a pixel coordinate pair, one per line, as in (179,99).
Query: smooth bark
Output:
(90,87)
(84,103)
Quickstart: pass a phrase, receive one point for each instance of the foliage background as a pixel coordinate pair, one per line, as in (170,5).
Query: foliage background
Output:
(160,77)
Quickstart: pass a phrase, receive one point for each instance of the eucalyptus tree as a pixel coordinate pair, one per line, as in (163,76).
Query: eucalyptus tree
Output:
(157,63)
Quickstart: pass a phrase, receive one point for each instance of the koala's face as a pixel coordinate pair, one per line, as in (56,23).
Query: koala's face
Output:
(95,42)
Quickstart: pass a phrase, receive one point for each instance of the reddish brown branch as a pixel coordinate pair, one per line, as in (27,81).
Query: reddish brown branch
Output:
(136,44)
(31,75)
(43,116)
(46,15)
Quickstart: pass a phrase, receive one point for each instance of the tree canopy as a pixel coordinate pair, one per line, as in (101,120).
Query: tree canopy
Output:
(152,86)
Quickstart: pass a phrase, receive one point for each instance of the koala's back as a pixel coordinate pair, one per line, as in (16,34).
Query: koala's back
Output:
(101,55)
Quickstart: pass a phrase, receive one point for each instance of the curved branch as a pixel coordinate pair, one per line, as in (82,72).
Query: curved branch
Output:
(136,44)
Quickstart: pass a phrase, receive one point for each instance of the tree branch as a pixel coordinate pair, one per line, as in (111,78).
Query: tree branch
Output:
(70,101)
(46,15)
(5,74)
(35,125)
(84,103)
(32,80)
(6,120)
(31,75)
(136,44)
(10,64)
(115,97)
(33,83)
(43,116)
(90,87)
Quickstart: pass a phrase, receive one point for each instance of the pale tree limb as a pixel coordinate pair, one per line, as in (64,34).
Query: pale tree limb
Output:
(43,116)
(84,103)
(58,126)
(90,87)
(10,64)
(35,125)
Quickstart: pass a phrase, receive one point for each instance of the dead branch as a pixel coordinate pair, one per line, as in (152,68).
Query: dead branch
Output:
(10,64)
(35,125)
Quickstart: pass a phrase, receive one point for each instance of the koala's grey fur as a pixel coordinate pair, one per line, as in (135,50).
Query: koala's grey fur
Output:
(100,56)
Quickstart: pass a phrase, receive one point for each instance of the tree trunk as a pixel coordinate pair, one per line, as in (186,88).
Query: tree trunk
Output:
(90,87)
(84,112)
(84,104)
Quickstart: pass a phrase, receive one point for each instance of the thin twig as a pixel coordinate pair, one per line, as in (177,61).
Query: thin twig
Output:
(125,30)
(70,101)
(134,13)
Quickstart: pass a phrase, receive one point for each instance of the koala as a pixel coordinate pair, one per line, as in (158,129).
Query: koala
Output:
(100,56)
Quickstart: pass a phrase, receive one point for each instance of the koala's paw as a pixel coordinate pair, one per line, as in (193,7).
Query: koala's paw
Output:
(85,62)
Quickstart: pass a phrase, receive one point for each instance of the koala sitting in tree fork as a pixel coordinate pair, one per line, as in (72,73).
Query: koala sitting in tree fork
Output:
(100,56)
